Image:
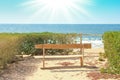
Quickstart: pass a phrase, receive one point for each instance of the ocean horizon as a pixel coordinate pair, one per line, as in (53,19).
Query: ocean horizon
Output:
(59,28)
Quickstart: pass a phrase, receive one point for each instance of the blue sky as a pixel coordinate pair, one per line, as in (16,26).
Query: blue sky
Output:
(100,12)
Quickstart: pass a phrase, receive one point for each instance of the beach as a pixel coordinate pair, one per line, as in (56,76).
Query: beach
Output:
(72,72)
(30,68)
(59,40)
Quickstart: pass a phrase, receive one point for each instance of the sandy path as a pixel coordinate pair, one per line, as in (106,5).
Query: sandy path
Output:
(30,69)
(75,72)
(19,70)
(66,74)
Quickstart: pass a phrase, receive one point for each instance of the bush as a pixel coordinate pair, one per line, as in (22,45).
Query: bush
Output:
(8,49)
(26,44)
(26,41)
(112,51)
(101,56)
(29,40)
(102,70)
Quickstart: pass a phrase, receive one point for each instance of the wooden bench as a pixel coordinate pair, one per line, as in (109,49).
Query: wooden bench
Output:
(64,46)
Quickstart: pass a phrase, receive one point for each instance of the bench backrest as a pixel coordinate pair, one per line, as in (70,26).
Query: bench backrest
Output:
(62,46)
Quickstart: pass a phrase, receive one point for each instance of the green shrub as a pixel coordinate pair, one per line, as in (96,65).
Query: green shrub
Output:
(102,56)
(29,40)
(26,41)
(112,51)
(102,70)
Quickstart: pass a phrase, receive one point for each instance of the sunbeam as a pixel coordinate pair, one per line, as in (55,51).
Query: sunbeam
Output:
(55,10)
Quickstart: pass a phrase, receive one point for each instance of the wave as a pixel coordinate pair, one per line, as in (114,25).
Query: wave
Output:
(96,42)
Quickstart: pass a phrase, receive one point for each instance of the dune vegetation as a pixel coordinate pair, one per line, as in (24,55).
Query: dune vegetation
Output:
(12,44)
(112,51)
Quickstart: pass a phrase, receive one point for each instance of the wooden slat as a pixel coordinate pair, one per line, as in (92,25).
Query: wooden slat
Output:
(87,46)
(63,56)
(62,46)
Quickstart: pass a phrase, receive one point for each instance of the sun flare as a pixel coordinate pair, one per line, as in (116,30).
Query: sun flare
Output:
(56,4)
(58,9)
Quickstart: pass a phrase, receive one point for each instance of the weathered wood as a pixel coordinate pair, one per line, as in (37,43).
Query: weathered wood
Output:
(62,56)
(62,46)
(81,61)
(81,50)
(43,58)
(81,43)
(80,46)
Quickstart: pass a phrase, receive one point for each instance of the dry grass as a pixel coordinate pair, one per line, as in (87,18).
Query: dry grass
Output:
(7,51)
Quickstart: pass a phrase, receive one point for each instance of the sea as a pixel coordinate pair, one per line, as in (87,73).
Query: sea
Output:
(96,41)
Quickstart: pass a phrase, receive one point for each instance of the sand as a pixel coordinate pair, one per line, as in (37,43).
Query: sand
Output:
(30,68)
(56,71)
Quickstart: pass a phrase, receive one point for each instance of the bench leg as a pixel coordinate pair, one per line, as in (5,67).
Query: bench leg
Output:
(81,61)
(43,63)
(43,58)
